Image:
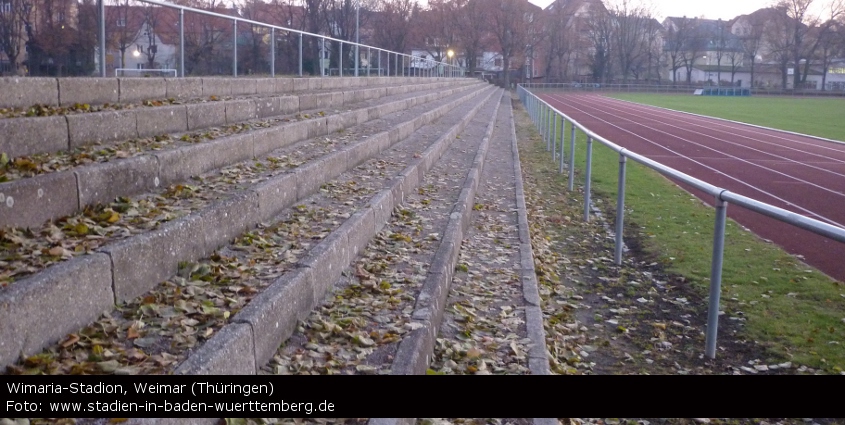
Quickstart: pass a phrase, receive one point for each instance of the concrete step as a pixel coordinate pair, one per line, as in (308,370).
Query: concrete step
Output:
(368,325)
(120,271)
(70,129)
(30,202)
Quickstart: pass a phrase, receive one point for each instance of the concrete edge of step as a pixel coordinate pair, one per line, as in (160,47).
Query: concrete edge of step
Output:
(414,351)
(538,362)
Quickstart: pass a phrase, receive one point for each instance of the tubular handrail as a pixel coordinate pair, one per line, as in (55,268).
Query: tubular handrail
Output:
(543,114)
(456,69)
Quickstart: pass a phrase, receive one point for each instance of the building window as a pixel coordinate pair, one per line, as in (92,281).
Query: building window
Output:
(7,8)
(121,22)
(497,62)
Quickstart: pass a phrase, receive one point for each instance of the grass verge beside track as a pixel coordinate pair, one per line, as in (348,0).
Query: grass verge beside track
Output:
(817,117)
(791,309)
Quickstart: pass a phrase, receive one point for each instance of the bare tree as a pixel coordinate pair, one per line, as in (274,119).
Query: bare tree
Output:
(629,34)
(13,21)
(205,38)
(600,34)
(559,25)
(680,36)
(752,40)
(153,23)
(778,38)
(830,46)
(693,46)
(123,27)
(804,29)
(471,25)
(734,59)
(721,41)
(511,20)
(438,27)
(393,24)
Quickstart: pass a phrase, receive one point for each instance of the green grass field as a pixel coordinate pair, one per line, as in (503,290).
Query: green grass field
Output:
(823,117)
(794,310)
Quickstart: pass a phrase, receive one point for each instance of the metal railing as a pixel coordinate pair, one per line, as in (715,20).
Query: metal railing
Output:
(401,64)
(546,117)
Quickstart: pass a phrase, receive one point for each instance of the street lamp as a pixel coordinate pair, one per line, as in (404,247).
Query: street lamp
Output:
(450,53)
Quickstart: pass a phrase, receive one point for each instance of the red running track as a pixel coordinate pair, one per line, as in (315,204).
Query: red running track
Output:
(797,173)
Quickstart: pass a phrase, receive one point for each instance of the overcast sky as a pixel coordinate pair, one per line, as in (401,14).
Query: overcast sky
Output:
(711,9)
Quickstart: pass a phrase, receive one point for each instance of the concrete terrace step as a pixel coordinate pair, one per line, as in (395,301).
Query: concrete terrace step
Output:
(367,326)
(271,318)
(70,129)
(20,92)
(32,201)
(118,272)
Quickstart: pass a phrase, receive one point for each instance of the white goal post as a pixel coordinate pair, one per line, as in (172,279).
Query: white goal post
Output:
(132,72)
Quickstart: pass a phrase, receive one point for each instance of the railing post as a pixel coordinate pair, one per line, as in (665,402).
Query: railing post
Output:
(322,53)
(562,142)
(272,52)
(716,277)
(182,42)
(587,178)
(572,158)
(554,137)
(101,11)
(620,209)
(340,60)
(235,50)
(300,54)
(369,57)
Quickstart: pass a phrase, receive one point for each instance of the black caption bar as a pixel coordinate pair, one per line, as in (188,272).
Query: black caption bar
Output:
(412,396)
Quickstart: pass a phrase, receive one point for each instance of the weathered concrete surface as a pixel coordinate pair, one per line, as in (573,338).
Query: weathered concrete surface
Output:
(184,88)
(138,89)
(103,182)
(273,314)
(79,289)
(161,120)
(141,262)
(32,202)
(29,136)
(23,92)
(229,352)
(100,127)
(206,114)
(93,91)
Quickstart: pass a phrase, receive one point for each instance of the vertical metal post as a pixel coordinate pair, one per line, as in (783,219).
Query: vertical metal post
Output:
(235,50)
(300,54)
(357,36)
(562,142)
(620,209)
(182,42)
(272,52)
(572,158)
(340,60)
(322,54)
(540,121)
(548,125)
(716,277)
(379,63)
(101,8)
(554,137)
(369,57)
(587,178)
